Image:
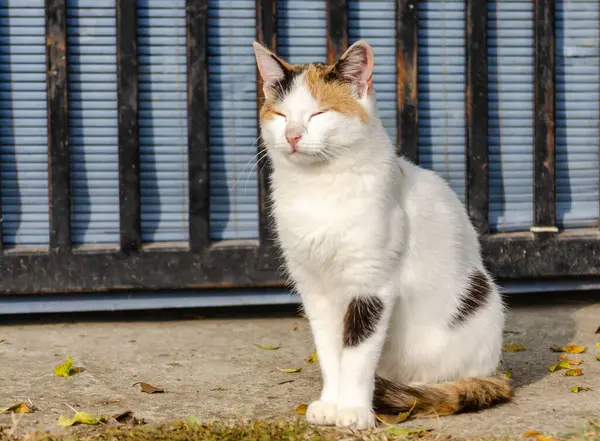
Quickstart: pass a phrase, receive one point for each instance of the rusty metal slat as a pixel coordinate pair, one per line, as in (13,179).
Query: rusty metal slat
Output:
(545,143)
(129,145)
(58,126)
(337,29)
(406,80)
(477,114)
(198,124)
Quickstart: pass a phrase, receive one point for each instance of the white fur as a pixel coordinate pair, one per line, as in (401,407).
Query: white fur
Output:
(352,219)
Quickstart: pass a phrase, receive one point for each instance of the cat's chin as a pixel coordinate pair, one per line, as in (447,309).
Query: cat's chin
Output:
(302,158)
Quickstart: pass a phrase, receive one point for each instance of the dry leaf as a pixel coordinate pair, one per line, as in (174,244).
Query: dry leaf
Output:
(2,340)
(18,408)
(544,438)
(126,417)
(301,409)
(572,349)
(560,365)
(578,389)
(314,357)
(573,361)
(81,418)
(289,370)
(508,373)
(396,419)
(149,389)
(267,347)
(597,344)
(531,434)
(66,369)
(573,373)
(598,330)
(513,348)
(598,357)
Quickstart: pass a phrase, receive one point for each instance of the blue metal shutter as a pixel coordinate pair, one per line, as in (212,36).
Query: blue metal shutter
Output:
(23,124)
(375,22)
(93,121)
(163,120)
(577,112)
(511,110)
(301,31)
(441,78)
(233,113)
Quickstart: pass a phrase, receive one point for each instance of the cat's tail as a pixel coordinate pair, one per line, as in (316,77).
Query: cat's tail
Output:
(466,394)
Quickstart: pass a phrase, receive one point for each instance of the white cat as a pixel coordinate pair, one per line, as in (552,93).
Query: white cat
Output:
(381,251)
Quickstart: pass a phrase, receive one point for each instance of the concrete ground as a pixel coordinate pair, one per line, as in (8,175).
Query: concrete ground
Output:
(210,367)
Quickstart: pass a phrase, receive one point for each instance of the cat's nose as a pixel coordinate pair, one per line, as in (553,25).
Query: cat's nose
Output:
(293,141)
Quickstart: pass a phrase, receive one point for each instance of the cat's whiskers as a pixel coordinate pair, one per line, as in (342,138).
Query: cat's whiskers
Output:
(252,169)
(248,163)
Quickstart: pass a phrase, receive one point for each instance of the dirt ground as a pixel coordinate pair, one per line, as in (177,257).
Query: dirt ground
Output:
(210,367)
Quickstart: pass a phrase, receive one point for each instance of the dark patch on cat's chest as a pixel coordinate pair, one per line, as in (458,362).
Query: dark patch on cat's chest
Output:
(361,319)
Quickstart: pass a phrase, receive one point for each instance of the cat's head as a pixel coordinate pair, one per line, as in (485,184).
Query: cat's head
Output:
(314,112)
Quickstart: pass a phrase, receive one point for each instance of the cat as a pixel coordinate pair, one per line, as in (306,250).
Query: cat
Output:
(382,253)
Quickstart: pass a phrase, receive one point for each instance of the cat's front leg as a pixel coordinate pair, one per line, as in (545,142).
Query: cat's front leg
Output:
(326,318)
(365,327)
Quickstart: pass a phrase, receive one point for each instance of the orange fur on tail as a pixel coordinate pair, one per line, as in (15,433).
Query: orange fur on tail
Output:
(440,399)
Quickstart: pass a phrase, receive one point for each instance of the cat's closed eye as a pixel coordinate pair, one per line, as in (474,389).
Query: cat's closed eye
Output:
(280,114)
(317,113)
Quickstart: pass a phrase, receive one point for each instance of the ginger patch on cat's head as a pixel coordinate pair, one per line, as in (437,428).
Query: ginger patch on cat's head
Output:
(338,87)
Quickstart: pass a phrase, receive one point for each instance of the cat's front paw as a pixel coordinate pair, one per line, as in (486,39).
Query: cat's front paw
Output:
(321,413)
(360,418)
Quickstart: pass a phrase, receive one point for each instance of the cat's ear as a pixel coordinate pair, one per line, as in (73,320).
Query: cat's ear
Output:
(356,66)
(272,69)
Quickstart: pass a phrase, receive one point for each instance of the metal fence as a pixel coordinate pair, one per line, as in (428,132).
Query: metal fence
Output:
(542,252)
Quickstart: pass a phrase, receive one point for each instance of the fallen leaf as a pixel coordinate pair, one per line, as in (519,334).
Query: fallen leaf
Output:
(531,434)
(405,431)
(508,373)
(560,365)
(598,357)
(126,417)
(314,357)
(1,340)
(396,419)
(301,409)
(513,348)
(289,370)
(573,361)
(544,438)
(66,369)
(598,330)
(18,408)
(285,382)
(149,389)
(267,347)
(573,373)
(572,349)
(597,344)
(81,418)
(578,389)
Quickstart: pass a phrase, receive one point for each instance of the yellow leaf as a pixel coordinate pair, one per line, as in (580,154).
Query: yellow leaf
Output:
(66,369)
(573,373)
(81,418)
(598,357)
(508,373)
(560,365)
(267,347)
(597,344)
(578,389)
(531,433)
(513,348)
(544,438)
(301,409)
(289,370)
(396,419)
(314,357)
(17,408)
(573,361)
(572,349)
(404,431)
